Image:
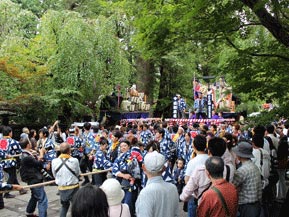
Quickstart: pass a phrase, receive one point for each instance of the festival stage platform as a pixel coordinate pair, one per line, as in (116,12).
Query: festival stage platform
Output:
(115,116)
(190,122)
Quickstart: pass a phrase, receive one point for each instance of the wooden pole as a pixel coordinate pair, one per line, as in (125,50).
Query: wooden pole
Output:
(194,87)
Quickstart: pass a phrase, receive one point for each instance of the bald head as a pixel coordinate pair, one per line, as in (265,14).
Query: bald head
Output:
(64,148)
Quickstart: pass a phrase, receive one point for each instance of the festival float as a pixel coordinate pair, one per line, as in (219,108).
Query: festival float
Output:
(128,106)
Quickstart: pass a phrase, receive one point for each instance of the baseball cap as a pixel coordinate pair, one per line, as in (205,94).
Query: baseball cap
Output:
(154,161)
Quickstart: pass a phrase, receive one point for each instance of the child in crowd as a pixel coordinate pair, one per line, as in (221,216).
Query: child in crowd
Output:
(179,175)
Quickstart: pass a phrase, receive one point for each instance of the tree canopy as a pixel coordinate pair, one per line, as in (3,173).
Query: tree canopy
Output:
(61,57)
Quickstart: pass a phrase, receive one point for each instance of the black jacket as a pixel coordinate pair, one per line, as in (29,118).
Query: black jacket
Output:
(30,169)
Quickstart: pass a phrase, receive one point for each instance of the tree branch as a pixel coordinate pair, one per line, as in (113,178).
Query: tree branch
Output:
(245,25)
(257,54)
(268,21)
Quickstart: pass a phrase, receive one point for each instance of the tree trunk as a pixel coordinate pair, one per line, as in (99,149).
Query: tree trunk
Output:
(164,103)
(145,78)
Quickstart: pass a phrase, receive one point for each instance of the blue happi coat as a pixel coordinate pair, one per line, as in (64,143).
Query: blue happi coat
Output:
(10,147)
(2,157)
(101,161)
(181,104)
(187,150)
(179,176)
(3,186)
(167,174)
(89,143)
(146,136)
(180,145)
(121,163)
(50,150)
(77,145)
(167,135)
(166,148)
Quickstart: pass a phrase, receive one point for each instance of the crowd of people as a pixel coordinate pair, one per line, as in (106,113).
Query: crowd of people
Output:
(146,168)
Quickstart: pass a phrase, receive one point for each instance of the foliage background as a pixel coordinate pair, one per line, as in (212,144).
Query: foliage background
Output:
(60,57)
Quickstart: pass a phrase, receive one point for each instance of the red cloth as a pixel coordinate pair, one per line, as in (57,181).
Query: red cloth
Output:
(70,140)
(3,144)
(212,206)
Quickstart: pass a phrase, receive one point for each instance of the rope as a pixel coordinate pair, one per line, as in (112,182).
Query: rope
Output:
(39,184)
(96,172)
(53,181)
(13,156)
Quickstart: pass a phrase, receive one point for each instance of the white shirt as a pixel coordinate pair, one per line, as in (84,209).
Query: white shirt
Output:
(63,136)
(64,177)
(265,168)
(275,140)
(200,159)
(158,199)
(229,161)
(266,145)
(199,182)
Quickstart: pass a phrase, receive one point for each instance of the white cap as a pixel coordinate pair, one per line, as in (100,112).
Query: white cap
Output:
(154,161)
